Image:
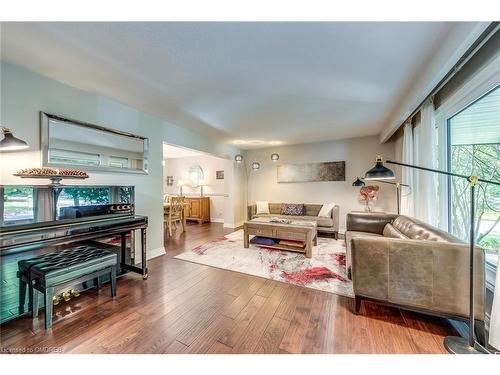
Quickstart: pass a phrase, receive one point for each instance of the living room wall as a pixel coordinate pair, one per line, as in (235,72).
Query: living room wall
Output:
(359,155)
(24,94)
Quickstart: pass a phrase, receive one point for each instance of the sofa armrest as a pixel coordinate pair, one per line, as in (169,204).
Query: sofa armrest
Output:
(368,222)
(251,211)
(336,217)
(426,275)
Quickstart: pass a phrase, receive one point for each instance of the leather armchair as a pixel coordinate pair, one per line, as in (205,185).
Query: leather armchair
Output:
(413,265)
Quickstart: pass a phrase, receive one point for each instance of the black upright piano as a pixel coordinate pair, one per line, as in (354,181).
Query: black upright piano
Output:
(46,218)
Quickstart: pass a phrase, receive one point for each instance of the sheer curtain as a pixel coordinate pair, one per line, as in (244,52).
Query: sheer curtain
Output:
(44,204)
(425,183)
(407,201)
(420,148)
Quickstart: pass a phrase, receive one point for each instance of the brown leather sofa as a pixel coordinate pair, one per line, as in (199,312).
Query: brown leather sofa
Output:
(401,261)
(325,224)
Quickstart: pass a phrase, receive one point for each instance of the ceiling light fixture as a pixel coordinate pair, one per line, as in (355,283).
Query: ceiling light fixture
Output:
(275,157)
(256,142)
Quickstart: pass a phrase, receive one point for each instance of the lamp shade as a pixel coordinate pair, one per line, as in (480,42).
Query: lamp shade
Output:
(358,182)
(11,143)
(379,171)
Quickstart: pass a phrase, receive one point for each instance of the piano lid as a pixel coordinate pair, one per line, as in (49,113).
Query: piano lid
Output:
(23,206)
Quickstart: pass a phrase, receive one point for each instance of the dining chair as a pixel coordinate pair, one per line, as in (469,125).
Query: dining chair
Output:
(174,213)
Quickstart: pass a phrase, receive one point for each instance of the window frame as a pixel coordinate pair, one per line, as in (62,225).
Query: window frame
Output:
(448,151)
(484,81)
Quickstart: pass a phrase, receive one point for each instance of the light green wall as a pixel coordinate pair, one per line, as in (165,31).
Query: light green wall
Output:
(24,94)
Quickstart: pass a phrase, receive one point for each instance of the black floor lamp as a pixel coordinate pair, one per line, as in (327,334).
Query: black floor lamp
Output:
(359,182)
(454,344)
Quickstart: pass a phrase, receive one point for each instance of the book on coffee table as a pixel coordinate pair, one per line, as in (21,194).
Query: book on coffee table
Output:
(297,244)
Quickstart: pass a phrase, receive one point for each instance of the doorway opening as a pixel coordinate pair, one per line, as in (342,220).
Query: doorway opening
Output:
(201,183)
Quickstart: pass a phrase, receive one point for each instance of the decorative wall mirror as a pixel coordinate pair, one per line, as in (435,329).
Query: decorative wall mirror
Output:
(75,144)
(195,176)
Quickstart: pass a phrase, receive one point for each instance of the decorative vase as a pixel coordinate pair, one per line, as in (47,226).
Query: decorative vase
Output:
(368,194)
(367,207)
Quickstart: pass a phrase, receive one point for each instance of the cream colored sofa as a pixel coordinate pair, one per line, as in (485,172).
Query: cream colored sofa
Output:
(325,224)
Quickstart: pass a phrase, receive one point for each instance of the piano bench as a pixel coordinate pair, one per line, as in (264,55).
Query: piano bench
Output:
(55,272)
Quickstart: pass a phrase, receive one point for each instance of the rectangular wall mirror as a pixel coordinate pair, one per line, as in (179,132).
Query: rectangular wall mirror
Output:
(75,144)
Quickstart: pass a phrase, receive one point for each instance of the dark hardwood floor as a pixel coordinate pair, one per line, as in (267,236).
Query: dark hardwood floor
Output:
(190,308)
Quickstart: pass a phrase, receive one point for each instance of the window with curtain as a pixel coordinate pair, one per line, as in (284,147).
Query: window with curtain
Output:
(474,149)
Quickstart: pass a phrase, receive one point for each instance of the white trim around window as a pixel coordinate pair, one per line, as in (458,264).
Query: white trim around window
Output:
(482,82)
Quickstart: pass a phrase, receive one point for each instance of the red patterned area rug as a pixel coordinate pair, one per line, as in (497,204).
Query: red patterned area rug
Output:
(325,271)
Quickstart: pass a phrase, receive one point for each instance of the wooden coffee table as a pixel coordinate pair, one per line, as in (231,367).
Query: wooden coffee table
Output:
(304,231)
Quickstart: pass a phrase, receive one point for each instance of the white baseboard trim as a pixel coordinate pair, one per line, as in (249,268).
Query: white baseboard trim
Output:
(153,253)
(216,220)
(233,225)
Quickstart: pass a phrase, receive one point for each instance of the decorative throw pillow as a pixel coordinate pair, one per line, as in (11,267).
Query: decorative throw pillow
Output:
(296,209)
(262,207)
(326,210)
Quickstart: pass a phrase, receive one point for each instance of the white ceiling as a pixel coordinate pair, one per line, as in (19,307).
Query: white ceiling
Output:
(254,83)
(175,152)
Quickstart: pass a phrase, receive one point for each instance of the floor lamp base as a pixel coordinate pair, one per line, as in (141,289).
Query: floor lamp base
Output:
(459,345)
